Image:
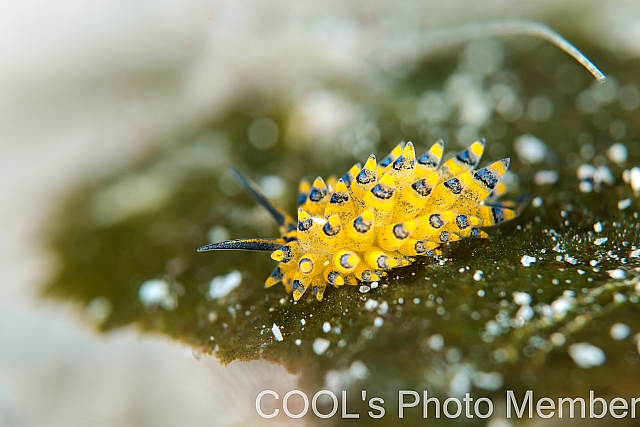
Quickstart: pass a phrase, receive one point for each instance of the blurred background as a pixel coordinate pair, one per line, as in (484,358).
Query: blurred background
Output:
(86,87)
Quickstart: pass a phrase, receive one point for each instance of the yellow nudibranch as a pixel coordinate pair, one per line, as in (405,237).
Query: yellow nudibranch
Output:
(379,216)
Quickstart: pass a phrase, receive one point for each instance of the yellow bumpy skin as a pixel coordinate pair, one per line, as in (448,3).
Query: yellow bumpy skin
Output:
(379,216)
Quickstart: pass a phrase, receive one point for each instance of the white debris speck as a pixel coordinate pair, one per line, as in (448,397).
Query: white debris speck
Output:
(435,342)
(374,285)
(634,178)
(585,187)
(326,327)
(480,292)
(383,308)
(492,327)
(320,345)
(619,298)
(477,276)
(221,285)
(521,298)
(603,174)
(624,204)
(460,383)
(303,322)
(364,289)
(545,177)
(536,202)
(618,273)
(276,332)
(620,331)
(600,240)
(571,260)
(527,260)
(593,263)
(586,355)
(561,305)
(358,370)
(99,309)
(597,227)
(378,322)
(298,341)
(557,339)
(487,380)
(156,293)
(371,304)
(530,149)
(634,254)
(618,153)
(585,171)
(525,312)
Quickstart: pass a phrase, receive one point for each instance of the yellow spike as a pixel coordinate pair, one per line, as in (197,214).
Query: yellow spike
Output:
(492,215)
(275,277)
(431,224)
(382,200)
(287,281)
(390,158)
(345,261)
(331,183)
(477,185)
(350,280)
(482,235)
(300,285)
(360,231)
(318,198)
(445,194)
(288,254)
(411,199)
(462,225)
(340,203)
(403,168)
(377,259)
(333,276)
(332,235)
(412,247)
(303,191)
(318,286)
(444,237)
(366,274)
(307,231)
(430,160)
(363,182)
(393,236)
(464,161)
(351,174)
(312,263)
(500,190)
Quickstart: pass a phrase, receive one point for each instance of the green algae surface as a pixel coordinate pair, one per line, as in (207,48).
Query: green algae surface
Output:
(549,303)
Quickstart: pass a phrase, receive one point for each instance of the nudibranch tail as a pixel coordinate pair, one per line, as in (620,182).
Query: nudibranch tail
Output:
(380,216)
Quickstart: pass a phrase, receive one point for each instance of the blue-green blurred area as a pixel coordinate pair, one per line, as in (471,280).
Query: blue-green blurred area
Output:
(117,142)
